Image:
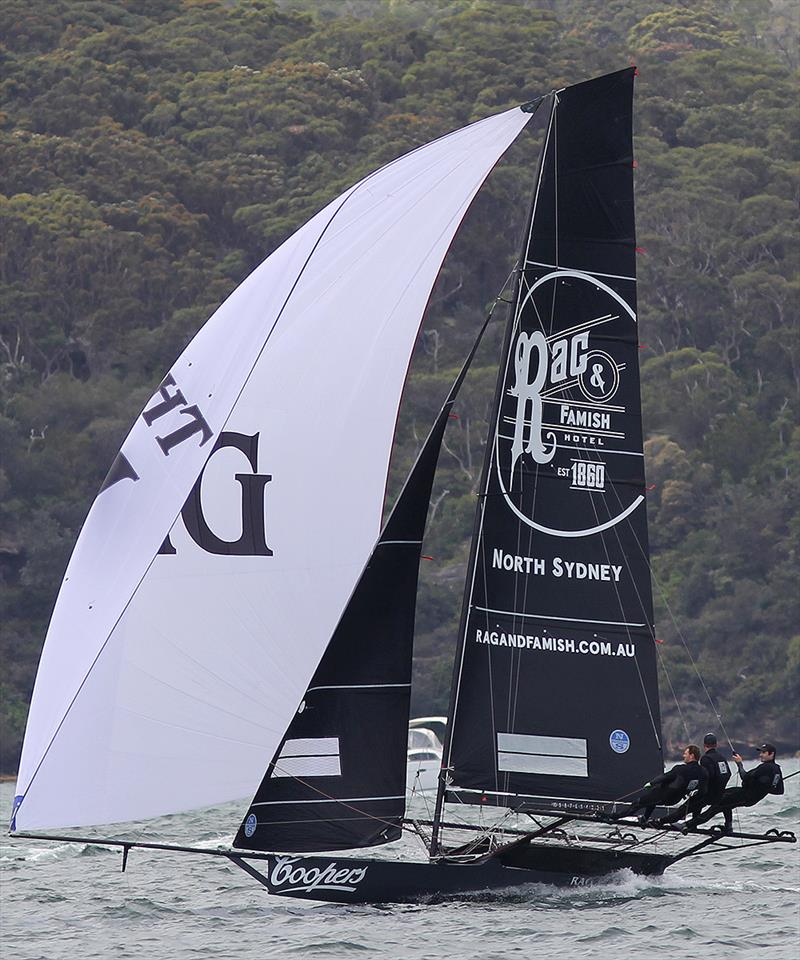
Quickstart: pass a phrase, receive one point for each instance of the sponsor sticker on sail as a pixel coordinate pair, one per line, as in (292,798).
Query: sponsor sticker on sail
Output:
(564,405)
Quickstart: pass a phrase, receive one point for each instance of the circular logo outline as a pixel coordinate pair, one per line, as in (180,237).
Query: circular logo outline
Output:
(250,825)
(613,521)
(612,367)
(619,741)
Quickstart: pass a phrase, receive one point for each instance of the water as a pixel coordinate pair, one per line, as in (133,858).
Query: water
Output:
(69,900)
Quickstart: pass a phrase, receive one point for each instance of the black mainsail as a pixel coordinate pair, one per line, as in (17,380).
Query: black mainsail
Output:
(555,695)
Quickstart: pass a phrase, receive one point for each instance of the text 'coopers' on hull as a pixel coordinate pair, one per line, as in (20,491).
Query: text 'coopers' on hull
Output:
(209,646)
(377,881)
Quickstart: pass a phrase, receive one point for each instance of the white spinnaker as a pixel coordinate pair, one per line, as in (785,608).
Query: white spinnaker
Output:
(167,681)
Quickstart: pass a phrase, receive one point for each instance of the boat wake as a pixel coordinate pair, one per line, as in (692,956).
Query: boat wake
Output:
(623,885)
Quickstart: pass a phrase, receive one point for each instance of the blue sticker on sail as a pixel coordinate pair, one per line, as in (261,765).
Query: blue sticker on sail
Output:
(250,825)
(619,741)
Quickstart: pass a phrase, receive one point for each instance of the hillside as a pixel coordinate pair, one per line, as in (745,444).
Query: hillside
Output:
(155,151)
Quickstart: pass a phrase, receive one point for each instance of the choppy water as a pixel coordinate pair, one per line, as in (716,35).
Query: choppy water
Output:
(70,901)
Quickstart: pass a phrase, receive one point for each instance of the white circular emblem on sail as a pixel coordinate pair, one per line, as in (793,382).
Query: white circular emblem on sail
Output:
(619,741)
(557,401)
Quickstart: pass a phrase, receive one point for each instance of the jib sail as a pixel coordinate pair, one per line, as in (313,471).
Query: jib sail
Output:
(338,779)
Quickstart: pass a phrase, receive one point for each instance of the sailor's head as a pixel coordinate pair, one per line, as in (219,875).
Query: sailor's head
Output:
(692,752)
(710,741)
(766,751)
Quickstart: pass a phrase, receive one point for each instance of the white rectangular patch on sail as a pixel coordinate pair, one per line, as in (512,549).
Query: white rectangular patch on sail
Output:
(309,757)
(554,756)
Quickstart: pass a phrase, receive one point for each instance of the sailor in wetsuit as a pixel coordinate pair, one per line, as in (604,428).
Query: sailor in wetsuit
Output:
(766,778)
(669,787)
(719,773)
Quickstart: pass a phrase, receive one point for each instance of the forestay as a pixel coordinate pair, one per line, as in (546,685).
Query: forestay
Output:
(216,561)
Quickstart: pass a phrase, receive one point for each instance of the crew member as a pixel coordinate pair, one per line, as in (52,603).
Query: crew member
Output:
(719,773)
(766,778)
(670,787)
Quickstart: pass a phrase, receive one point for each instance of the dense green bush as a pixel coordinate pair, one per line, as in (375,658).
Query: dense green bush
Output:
(154,151)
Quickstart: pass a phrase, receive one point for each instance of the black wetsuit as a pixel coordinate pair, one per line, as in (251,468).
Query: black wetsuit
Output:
(766,778)
(668,788)
(719,773)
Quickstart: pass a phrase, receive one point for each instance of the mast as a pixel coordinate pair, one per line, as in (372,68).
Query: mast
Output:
(532,107)
(557,609)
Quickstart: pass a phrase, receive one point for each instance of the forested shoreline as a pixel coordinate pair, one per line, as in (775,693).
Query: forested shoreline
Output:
(155,151)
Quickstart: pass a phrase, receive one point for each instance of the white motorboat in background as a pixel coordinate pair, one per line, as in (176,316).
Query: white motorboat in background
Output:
(437,725)
(425,739)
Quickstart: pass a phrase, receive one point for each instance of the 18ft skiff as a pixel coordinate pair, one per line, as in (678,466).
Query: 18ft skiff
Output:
(235,622)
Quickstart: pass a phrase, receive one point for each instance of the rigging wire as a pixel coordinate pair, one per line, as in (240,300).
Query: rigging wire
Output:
(675,624)
(620,604)
(685,725)
(515,668)
(692,661)
(343,803)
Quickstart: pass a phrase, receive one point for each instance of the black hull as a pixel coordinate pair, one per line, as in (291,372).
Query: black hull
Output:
(344,880)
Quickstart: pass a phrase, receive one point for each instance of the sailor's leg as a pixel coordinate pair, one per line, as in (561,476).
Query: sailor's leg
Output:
(728,807)
(694,806)
(629,811)
(712,811)
(740,800)
(677,815)
(733,797)
(691,810)
(647,798)
(727,813)
(650,800)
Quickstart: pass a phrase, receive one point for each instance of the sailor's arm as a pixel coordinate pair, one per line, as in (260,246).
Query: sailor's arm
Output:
(740,764)
(666,777)
(761,775)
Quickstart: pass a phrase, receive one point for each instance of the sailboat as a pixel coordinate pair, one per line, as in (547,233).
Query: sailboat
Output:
(236,621)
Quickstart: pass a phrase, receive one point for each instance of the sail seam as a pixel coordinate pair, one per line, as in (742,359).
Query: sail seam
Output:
(540,616)
(627,453)
(358,686)
(271,803)
(528,796)
(591,273)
